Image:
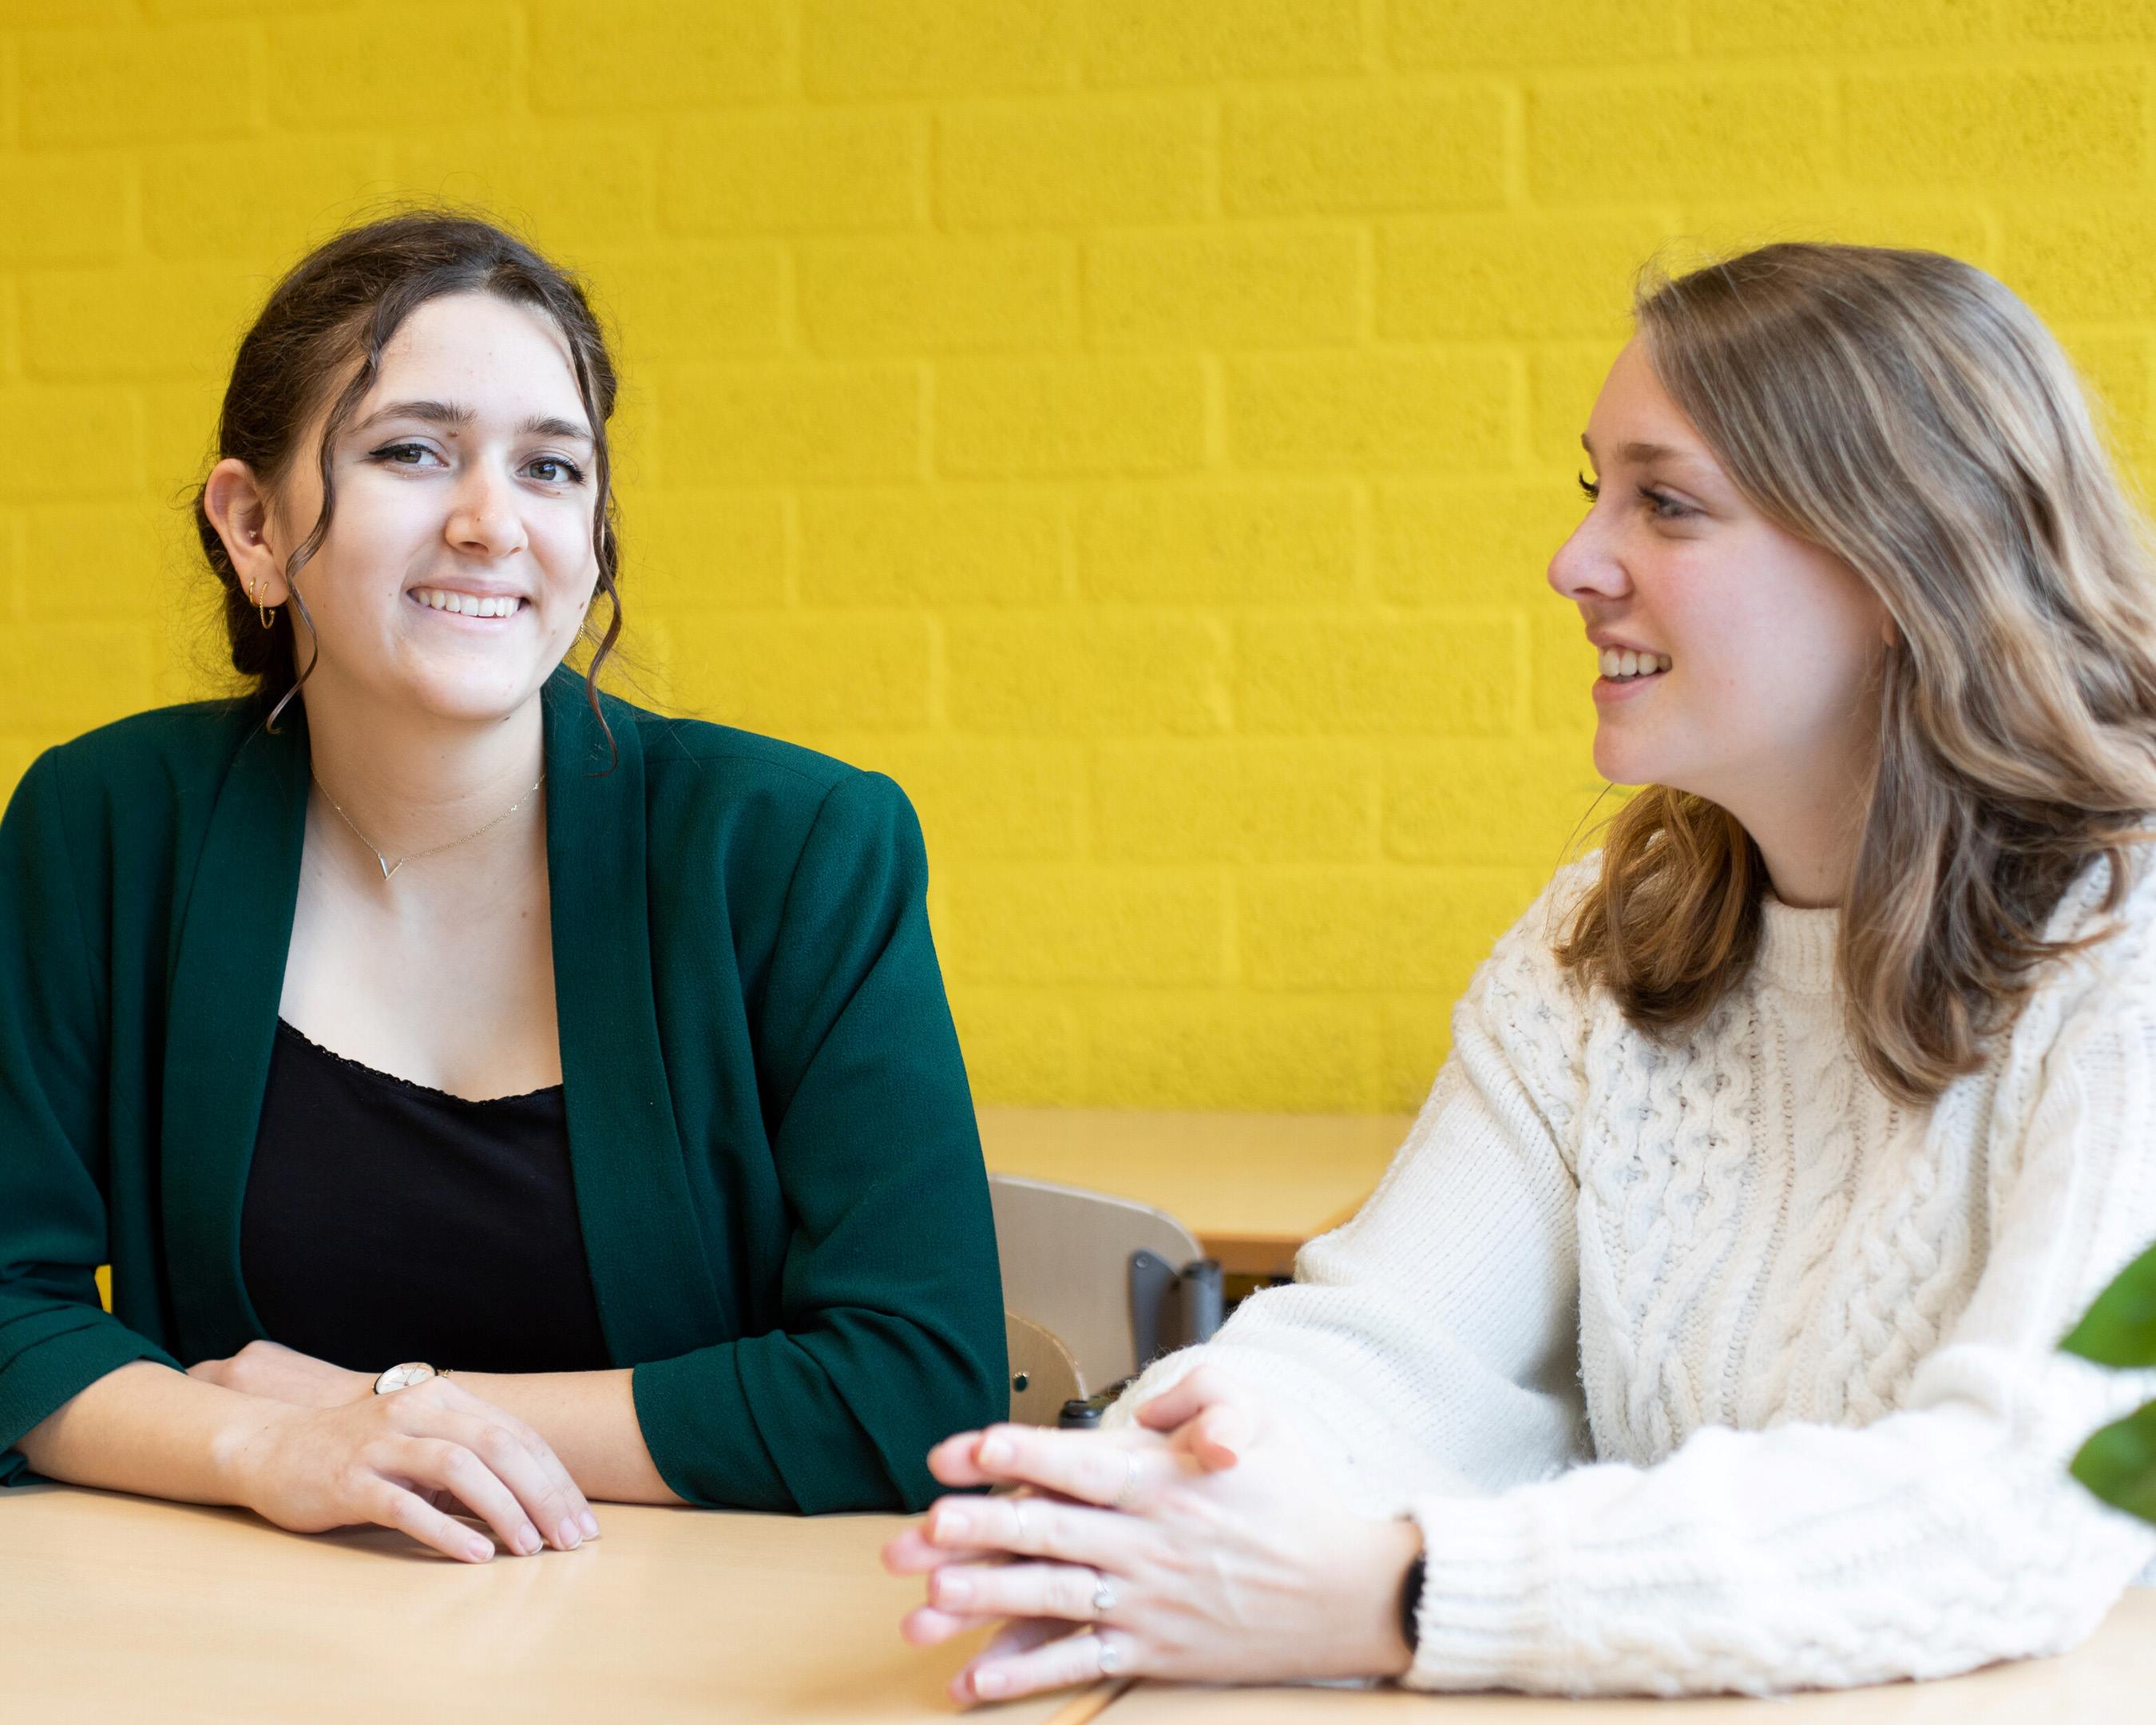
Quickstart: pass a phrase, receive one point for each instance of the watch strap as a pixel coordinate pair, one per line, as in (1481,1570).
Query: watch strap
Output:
(1411,1605)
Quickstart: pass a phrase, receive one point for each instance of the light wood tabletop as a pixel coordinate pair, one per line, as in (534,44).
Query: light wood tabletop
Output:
(1252,1187)
(2110,1677)
(116,1608)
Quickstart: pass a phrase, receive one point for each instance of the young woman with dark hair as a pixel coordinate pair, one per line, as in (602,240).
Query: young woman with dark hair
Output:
(493,1095)
(1703,1334)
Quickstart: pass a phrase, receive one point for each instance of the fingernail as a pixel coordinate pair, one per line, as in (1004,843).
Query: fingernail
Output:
(529,1542)
(953,1590)
(572,1535)
(994,1451)
(590,1523)
(479,1550)
(952,1524)
(989,1685)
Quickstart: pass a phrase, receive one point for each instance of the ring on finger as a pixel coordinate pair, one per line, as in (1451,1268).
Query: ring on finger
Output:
(1130,1480)
(1106,1653)
(1024,1539)
(1104,1594)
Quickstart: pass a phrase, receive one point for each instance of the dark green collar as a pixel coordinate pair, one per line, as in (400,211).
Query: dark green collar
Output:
(657,1293)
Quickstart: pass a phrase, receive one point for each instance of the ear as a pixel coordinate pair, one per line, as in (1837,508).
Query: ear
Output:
(240,509)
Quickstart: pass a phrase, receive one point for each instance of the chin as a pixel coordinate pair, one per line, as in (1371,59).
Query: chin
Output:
(1620,763)
(471,695)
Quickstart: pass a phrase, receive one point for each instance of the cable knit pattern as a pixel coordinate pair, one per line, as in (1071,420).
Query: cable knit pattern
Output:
(1704,1366)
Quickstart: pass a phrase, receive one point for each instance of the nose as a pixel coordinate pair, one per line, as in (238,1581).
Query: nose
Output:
(1587,565)
(482,519)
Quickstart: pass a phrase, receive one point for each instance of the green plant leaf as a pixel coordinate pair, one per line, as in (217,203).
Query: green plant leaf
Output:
(2118,1463)
(2120,1329)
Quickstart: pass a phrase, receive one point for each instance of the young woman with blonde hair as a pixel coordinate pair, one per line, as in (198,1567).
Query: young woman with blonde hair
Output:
(1703,1334)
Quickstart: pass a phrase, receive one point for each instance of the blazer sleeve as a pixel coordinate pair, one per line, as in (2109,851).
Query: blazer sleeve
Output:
(56,1337)
(892,1332)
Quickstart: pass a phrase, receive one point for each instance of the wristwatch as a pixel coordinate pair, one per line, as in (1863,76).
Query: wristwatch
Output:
(404,1377)
(1411,1602)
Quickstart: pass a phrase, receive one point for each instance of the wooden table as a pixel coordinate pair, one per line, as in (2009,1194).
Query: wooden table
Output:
(118,1608)
(2110,1677)
(1252,1187)
(115,1607)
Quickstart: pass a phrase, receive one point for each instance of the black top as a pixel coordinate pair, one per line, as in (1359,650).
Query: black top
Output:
(385,1221)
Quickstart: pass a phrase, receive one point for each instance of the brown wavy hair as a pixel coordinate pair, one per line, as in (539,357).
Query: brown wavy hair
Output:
(1906,413)
(320,337)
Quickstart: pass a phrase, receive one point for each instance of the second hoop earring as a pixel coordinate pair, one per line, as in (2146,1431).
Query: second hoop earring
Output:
(268,616)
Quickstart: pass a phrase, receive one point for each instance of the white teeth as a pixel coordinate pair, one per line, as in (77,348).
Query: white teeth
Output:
(1620,662)
(466,604)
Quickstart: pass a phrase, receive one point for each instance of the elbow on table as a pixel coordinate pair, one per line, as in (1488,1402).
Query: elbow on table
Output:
(965,1395)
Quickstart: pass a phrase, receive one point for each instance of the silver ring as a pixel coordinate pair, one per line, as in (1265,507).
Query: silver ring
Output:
(1111,1661)
(1024,1540)
(1130,1480)
(1104,1594)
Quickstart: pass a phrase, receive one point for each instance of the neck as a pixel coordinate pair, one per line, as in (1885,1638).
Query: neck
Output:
(410,781)
(1807,829)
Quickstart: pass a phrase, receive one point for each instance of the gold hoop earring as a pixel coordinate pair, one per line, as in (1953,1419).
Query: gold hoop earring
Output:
(268,616)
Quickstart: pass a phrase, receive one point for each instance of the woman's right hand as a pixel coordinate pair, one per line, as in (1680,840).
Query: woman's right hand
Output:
(397,1460)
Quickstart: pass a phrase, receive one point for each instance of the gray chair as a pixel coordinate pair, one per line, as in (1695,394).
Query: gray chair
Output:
(1113,1281)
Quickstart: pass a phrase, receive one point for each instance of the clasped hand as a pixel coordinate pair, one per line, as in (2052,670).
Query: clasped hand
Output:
(1204,1546)
(323,1451)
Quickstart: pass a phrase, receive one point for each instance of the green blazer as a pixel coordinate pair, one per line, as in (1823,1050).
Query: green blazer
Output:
(771,1138)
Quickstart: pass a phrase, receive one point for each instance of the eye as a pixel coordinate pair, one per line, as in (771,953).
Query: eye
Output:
(1665,507)
(401,454)
(1591,490)
(554,470)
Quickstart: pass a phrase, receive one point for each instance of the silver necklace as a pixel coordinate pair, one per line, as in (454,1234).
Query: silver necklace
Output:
(389,868)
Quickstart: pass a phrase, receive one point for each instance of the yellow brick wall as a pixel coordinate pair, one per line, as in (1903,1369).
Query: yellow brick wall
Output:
(1137,425)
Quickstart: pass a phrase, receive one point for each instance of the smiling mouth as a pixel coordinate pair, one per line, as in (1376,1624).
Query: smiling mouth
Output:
(1621,665)
(466,604)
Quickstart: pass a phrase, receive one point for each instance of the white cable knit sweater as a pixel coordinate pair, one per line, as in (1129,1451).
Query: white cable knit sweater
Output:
(1706,1366)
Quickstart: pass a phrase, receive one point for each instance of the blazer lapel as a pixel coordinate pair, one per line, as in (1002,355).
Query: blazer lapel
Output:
(657,1294)
(228,976)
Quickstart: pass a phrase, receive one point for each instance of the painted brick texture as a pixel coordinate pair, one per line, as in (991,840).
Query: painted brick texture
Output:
(1138,428)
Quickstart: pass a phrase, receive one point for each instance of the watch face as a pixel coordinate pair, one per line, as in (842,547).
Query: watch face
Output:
(404,1377)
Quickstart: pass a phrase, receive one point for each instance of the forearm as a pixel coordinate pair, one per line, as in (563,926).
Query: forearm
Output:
(1799,1556)
(589,1419)
(149,1430)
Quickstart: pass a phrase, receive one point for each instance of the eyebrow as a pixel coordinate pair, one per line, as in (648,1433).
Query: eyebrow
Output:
(1641,452)
(450,414)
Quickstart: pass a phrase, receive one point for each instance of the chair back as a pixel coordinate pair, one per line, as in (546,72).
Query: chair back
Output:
(1066,1257)
(1044,1376)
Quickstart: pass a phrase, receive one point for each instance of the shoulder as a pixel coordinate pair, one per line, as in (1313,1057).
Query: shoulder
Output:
(150,766)
(697,761)
(1525,1007)
(2117,965)
(1534,940)
(195,741)
(1522,975)
(695,754)
(760,800)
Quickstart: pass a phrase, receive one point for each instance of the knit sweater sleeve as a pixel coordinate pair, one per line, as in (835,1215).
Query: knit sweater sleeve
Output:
(1434,1338)
(1944,1536)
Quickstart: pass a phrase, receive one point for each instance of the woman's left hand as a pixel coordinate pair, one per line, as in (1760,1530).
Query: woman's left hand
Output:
(278,1373)
(1209,1548)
